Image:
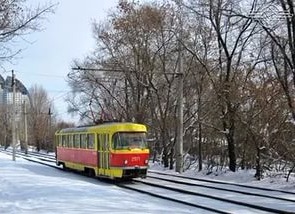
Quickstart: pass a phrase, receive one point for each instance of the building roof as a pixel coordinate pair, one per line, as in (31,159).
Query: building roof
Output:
(19,86)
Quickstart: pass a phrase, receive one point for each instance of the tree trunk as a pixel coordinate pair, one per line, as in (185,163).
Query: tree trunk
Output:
(200,148)
(258,173)
(38,145)
(155,151)
(165,156)
(171,158)
(231,152)
(229,128)
(290,171)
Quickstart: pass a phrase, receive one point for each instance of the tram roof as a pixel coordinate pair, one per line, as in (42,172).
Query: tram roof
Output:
(114,126)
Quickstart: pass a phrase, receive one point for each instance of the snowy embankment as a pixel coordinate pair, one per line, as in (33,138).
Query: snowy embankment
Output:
(277,181)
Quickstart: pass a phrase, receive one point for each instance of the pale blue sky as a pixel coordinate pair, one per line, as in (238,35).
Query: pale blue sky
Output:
(67,35)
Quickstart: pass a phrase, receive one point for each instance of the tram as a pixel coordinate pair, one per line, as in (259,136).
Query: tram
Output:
(114,150)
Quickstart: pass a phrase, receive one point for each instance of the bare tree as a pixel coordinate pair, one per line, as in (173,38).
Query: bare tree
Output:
(140,44)
(5,127)
(17,20)
(234,111)
(279,26)
(38,118)
(232,36)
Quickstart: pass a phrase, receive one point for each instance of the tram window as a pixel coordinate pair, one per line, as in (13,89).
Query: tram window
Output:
(99,141)
(70,141)
(83,141)
(116,140)
(129,140)
(90,144)
(59,141)
(77,141)
(64,140)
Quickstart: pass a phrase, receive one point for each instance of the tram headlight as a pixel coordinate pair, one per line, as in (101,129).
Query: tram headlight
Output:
(146,161)
(125,162)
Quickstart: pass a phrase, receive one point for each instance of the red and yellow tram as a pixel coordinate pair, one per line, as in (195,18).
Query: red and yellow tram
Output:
(113,150)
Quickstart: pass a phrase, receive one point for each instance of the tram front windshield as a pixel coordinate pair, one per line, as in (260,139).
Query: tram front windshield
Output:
(129,140)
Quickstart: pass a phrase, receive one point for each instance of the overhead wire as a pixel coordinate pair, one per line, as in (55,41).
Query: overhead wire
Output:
(60,94)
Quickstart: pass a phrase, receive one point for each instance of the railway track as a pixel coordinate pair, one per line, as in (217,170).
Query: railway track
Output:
(40,159)
(201,194)
(258,201)
(210,181)
(44,155)
(226,186)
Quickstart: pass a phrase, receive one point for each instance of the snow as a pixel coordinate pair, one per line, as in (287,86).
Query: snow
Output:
(28,188)
(246,177)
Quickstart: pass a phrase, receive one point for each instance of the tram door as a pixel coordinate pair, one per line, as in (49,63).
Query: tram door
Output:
(103,153)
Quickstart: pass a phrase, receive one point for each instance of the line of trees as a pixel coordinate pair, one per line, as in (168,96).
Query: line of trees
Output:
(239,78)
(36,120)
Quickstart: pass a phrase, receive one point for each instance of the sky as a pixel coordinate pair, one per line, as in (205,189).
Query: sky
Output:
(48,54)
(29,188)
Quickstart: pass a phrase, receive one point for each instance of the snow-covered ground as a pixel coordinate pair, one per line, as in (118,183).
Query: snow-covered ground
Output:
(28,188)
(276,181)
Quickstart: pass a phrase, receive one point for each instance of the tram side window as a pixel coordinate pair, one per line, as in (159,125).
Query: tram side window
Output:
(83,141)
(70,141)
(90,144)
(59,141)
(67,141)
(98,142)
(77,141)
(103,139)
(64,140)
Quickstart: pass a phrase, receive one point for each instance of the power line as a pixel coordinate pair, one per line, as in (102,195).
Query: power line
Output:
(63,95)
(45,75)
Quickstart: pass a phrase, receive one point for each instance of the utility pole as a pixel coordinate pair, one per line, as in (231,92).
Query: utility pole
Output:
(179,139)
(49,129)
(13,117)
(25,127)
